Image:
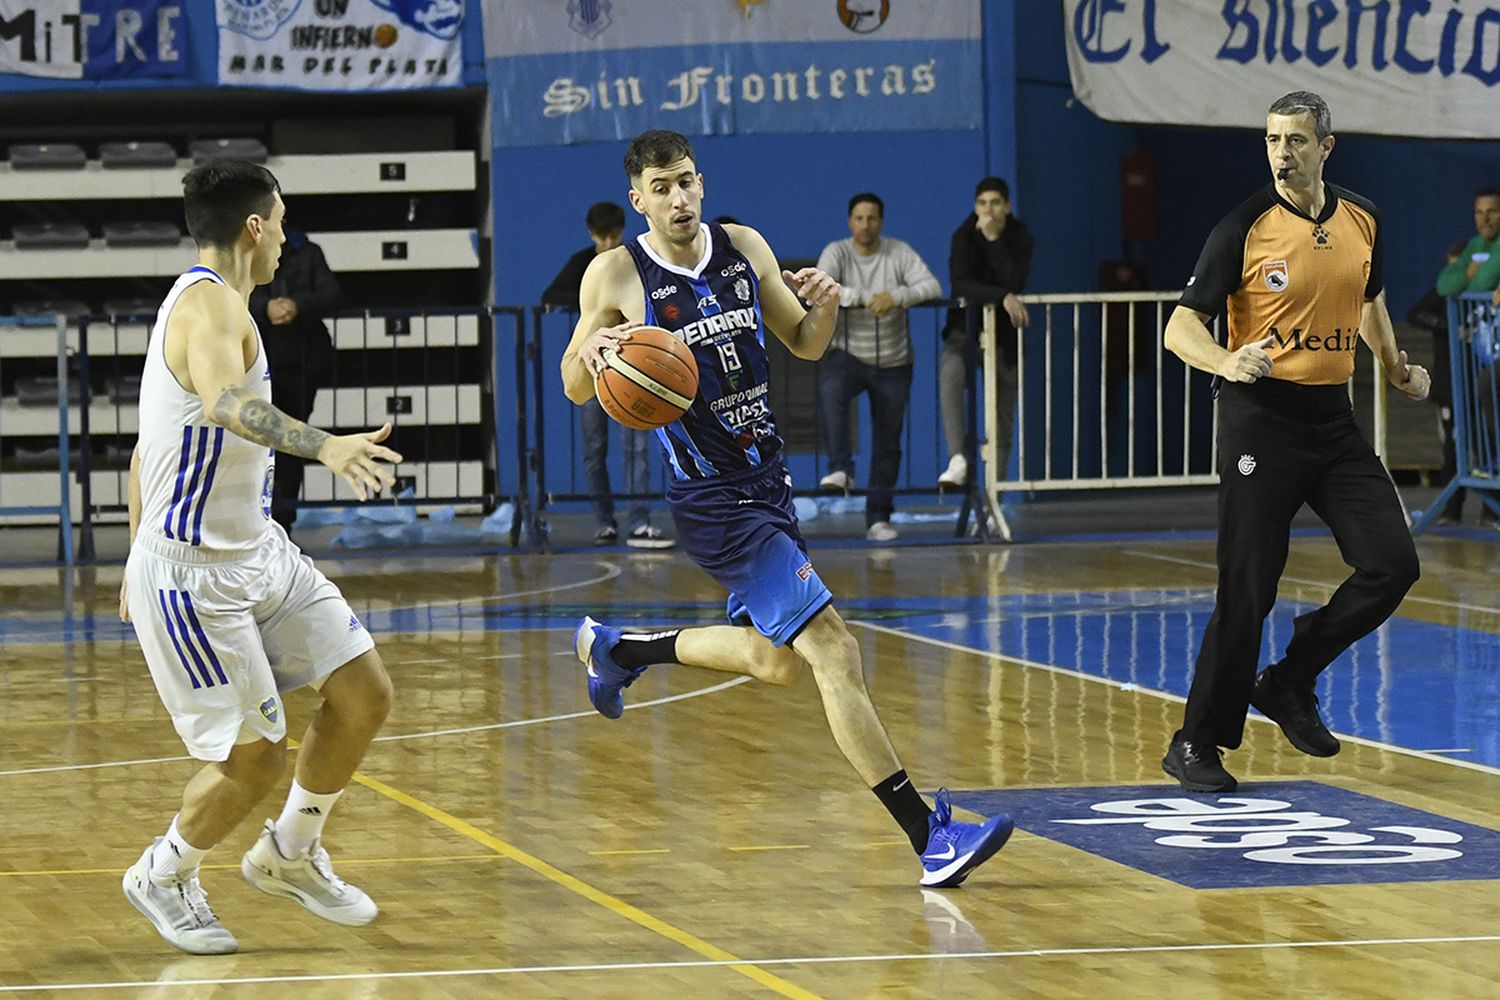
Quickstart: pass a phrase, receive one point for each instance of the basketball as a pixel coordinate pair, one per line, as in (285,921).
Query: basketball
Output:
(651,380)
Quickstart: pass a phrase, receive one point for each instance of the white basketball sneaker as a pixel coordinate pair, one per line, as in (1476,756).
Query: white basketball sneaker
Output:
(309,879)
(957,472)
(178,909)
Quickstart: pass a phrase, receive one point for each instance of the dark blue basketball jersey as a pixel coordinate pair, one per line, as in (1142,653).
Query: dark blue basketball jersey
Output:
(715,310)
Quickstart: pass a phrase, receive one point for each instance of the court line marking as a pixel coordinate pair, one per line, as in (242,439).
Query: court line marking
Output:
(512,724)
(611,570)
(716,955)
(1151,949)
(1327,584)
(1166,695)
(343,863)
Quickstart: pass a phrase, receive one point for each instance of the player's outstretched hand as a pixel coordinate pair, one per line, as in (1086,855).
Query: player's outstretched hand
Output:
(815,288)
(1250,363)
(361,460)
(1410,379)
(606,338)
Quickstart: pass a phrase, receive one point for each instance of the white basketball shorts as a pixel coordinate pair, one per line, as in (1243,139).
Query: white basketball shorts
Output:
(226,634)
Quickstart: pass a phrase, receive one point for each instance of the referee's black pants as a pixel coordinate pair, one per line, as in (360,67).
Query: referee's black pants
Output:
(1281,445)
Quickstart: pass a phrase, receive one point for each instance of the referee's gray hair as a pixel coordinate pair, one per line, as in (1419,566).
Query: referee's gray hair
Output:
(1305,102)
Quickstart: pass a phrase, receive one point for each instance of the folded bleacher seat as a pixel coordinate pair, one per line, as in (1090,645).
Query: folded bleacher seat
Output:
(204,150)
(50,236)
(45,457)
(141,234)
(142,307)
(123,388)
(47,156)
(44,312)
(129,155)
(41,390)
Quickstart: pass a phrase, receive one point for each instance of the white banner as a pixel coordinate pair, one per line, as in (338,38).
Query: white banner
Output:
(340,44)
(1414,68)
(42,38)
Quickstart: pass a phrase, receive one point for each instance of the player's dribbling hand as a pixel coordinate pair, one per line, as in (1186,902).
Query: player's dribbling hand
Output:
(606,338)
(360,460)
(1410,379)
(815,288)
(1250,363)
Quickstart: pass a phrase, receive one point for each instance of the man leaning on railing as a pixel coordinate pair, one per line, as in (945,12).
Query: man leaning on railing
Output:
(870,353)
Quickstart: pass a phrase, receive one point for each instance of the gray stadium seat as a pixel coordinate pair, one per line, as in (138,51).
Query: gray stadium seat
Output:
(141,234)
(204,150)
(44,312)
(131,307)
(50,236)
(130,155)
(41,390)
(47,156)
(124,388)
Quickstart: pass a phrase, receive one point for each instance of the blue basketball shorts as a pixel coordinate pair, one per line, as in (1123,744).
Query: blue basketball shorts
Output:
(742,529)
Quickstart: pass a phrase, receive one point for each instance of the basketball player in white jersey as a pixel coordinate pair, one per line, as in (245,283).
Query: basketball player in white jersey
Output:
(229,613)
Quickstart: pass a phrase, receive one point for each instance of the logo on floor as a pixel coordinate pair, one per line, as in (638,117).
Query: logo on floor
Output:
(1277,833)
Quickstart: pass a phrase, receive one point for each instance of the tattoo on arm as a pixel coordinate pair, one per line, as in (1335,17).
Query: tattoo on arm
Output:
(256,420)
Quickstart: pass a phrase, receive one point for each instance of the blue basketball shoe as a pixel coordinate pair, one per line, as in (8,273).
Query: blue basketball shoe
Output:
(607,679)
(954,848)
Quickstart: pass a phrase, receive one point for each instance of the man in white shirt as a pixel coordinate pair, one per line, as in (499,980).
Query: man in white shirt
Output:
(870,353)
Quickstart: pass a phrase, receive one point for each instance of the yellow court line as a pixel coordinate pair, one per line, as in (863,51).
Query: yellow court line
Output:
(593,895)
(343,863)
(773,847)
(653,850)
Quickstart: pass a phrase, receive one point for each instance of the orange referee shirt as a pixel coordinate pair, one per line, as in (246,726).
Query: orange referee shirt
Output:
(1280,273)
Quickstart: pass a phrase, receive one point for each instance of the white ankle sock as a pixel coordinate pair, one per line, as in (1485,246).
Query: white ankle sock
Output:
(173,855)
(302,818)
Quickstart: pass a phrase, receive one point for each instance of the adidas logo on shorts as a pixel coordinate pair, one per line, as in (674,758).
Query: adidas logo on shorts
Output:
(354,625)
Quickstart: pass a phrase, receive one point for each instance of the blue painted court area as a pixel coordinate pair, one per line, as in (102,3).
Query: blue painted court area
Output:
(1411,683)
(1270,834)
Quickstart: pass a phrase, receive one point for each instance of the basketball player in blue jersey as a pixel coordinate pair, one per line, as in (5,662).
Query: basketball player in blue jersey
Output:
(719,288)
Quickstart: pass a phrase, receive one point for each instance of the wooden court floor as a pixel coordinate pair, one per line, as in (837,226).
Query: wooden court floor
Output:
(713,843)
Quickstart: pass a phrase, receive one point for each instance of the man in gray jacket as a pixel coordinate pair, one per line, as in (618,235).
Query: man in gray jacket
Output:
(870,353)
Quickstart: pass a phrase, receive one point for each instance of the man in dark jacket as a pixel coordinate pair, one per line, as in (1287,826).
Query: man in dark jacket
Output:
(289,313)
(606,225)
(988,261)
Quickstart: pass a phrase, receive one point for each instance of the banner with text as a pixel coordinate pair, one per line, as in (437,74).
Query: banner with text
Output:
(565,71)
(1411,69)
(340,44)
(92,39)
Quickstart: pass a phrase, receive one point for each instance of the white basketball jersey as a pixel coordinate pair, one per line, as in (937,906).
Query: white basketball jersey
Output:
(200,484)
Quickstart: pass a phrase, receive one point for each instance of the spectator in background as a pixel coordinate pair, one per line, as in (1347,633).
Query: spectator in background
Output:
(606,225)
(290,314)
(1475,268)
(870,353)
(988,261)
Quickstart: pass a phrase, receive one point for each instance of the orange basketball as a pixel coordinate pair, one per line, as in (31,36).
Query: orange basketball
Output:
(651,380)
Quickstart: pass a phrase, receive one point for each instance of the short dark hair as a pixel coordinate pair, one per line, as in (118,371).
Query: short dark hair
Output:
(996,184)
(1305,102)
(656,148)
(219,194)
(1487,192)
(604,218)
(867,196)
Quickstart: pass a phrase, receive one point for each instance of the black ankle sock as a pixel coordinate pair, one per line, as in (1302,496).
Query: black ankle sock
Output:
(645,649)
(901,800)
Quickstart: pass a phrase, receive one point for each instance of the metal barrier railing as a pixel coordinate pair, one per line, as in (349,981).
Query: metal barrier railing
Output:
(63,509)
(1103,404)
(1473,357)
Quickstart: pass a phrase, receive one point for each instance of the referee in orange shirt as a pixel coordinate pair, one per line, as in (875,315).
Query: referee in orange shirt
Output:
(1297,268)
